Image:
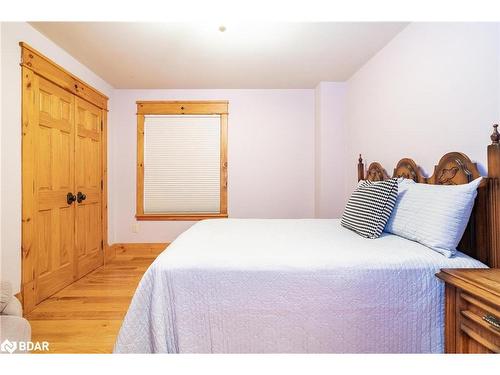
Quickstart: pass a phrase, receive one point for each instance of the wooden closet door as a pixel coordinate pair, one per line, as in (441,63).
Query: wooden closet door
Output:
(54,218)
(89,247)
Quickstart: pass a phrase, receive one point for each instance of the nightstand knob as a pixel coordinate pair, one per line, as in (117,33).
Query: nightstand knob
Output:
(492,320)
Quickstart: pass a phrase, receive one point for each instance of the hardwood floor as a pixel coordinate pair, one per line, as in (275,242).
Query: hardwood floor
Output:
(86,316)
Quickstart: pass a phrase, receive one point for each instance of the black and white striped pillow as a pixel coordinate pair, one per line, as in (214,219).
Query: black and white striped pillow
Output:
(370,207)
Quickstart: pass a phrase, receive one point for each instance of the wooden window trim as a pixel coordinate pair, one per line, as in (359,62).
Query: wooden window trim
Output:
(212,107)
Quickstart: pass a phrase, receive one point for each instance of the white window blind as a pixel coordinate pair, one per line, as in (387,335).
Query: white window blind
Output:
(181,164)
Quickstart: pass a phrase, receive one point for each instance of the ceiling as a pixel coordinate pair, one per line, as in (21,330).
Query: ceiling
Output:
(184,56)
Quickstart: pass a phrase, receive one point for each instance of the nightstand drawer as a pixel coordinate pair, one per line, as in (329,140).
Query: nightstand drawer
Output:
(472,310)
(478,325)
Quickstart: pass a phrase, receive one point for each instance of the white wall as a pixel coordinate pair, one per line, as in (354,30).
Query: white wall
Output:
(270,157)
(292,153)
(329,149)
(11,35)
(433,89)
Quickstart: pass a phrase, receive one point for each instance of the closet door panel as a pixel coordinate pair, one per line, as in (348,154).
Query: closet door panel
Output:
(61,148)
(88,182)
(53,179)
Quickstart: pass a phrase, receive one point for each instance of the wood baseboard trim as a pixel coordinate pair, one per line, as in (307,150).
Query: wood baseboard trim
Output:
(135,249)
(109,254)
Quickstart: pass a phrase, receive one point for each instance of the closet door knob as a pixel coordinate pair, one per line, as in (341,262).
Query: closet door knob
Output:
(80,197)
(70,198)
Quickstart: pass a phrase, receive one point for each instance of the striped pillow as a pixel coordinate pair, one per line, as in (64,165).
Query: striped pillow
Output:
(370,207)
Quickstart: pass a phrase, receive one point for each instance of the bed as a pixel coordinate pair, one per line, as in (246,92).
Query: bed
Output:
(307,286)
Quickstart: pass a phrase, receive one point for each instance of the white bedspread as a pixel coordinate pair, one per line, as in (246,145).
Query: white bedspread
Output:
(296,286)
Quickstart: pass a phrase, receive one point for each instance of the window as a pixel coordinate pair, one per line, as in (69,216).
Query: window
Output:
(181,160)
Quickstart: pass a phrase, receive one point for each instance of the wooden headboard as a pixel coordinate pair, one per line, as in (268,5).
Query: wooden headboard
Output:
(481,239)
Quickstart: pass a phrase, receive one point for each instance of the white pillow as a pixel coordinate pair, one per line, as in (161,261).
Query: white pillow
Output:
(434,215)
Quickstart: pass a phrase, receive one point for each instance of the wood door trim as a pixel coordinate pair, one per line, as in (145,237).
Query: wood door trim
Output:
(28,121)
(104,182)
(43,66)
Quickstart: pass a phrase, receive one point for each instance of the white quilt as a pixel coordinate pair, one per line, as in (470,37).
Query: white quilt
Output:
(294,286)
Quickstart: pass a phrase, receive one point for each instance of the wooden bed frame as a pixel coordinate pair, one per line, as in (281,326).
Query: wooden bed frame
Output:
(481,239)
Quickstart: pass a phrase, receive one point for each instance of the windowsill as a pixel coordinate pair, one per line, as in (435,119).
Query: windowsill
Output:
(181,217)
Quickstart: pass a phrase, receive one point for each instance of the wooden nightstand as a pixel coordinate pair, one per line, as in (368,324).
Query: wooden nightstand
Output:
(472,310)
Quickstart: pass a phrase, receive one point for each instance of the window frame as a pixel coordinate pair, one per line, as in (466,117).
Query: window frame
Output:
(212,107)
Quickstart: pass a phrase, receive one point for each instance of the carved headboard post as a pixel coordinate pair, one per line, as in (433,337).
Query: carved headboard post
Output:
(494,198)
(361,169)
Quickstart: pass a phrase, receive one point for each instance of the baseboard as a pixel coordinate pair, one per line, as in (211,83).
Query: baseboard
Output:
(134,249)
(109,254)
